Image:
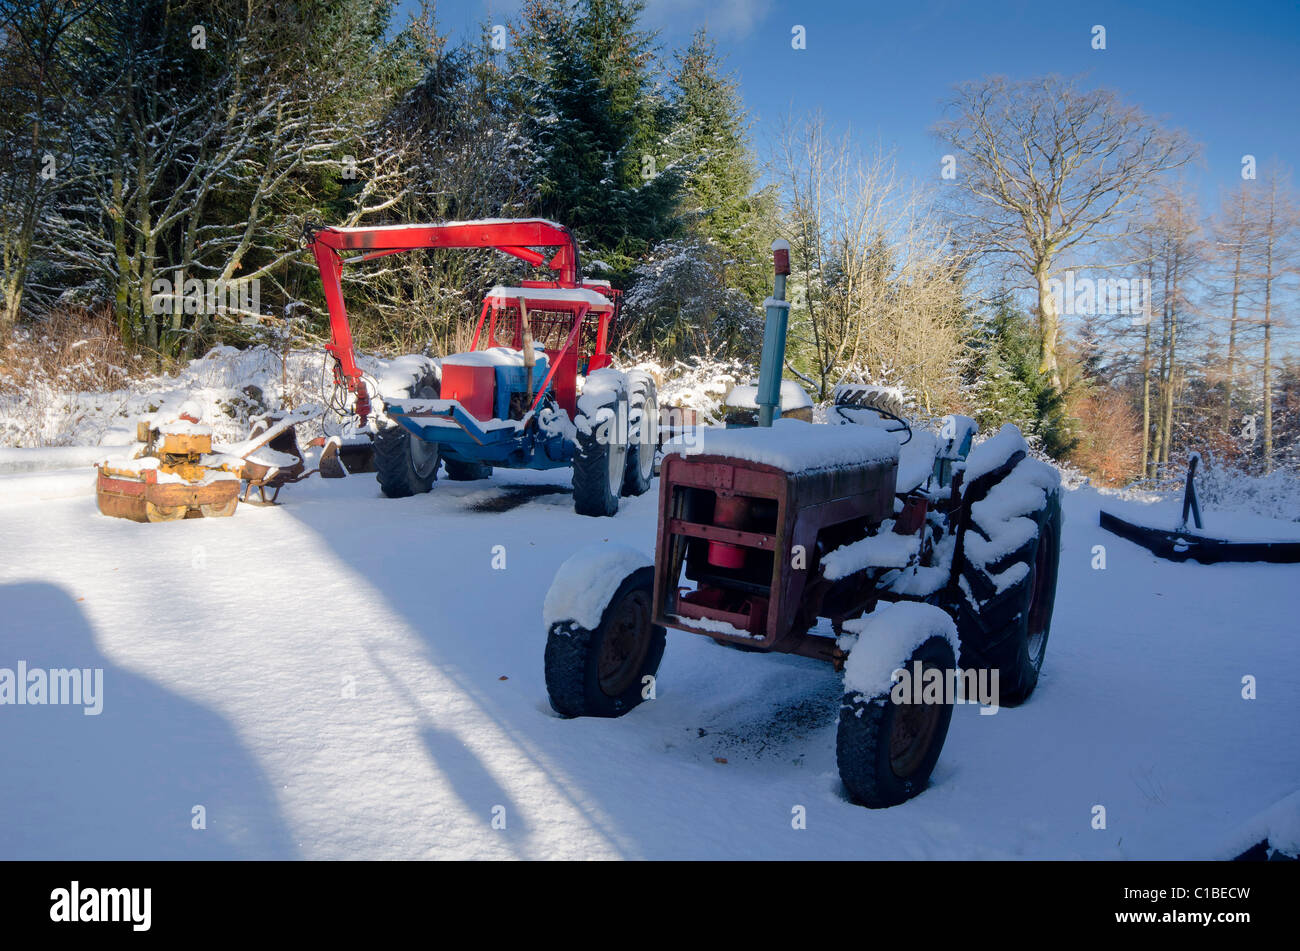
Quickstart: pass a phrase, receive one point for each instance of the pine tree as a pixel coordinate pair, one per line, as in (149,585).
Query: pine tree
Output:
(1006,386)
(581,83)
(709,145)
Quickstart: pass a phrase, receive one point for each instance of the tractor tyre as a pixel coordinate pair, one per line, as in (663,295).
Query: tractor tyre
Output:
(603,672)
(600,462)
(1008,561)
(886,751)
(459,471)
(643,433)
(406,465)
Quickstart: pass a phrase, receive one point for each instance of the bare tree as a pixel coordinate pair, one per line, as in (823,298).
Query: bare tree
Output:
(1046,168)
(1279,261)
(874,285)
(1234,238)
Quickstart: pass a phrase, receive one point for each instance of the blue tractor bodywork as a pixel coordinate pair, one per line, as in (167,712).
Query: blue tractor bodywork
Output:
(488,414)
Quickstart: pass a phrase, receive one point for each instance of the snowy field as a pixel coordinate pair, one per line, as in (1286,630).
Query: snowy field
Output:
(347,676)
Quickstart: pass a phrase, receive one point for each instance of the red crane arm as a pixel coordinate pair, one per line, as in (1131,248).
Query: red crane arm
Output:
(517,237)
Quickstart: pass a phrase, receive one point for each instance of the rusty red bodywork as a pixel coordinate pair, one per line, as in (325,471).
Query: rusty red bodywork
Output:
(143,498)
(750,537)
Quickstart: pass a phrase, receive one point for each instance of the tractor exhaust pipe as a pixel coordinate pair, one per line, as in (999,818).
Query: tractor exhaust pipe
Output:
(778,317)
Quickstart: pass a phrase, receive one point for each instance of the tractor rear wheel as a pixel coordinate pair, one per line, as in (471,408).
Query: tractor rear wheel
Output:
(603,672)
(886,751)
(600,462)
(406,465)
(460,471)
(643,435)
(1007,568)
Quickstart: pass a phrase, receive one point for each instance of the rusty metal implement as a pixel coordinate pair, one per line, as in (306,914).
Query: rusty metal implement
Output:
(173,476)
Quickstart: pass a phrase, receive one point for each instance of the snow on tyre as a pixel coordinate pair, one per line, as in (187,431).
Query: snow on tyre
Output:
(602,651)
(599,465)
(643,433)
(1008,562)
(892,729)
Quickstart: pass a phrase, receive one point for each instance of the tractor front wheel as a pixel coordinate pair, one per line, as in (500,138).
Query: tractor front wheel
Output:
(600,463)
(607,671)
(643,423)
(886,750)
(405,464)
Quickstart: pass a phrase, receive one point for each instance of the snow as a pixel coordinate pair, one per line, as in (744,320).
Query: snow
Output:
(793,396)
(882,550)
(535,295)
(326,678)
(183,427)
(241,449)
(1278,825)
(420,408)
(587,580)
(397,376)
(1006,538)
(1022,492)
(916,459)
(714,626)
(994,451)
(960,426)
(1232,526)
(266,456)
(598,389)
(886,638)
(919,581)
(698,386)
(335,691)
(230,386)
(49,458)
(793,445)
(1004,513)
(495,357)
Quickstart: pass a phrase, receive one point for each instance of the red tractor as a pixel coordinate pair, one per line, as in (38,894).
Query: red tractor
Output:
(885,551)
(535,391)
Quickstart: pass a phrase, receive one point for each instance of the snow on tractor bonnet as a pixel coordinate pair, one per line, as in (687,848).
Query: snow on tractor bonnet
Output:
(889,552)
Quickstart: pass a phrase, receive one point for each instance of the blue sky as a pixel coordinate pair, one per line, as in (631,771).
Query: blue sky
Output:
(1229,75)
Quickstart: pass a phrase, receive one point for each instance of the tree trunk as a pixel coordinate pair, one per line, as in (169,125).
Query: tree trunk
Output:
(1049,322)
(1268,390)
(1147,467)
(1172,381)
(1232,339)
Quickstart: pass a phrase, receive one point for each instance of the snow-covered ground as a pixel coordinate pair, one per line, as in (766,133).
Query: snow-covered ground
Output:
(347,676)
